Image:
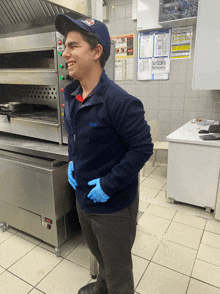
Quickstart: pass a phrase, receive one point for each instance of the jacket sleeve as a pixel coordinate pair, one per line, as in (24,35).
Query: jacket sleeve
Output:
(134,131)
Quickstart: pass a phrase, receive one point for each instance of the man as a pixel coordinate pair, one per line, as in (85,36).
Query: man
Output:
(108,143)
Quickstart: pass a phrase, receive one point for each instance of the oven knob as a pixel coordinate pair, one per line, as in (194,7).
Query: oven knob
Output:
(60,53)
(60,66)
(63,105)
(59,42)
(62,78)
(68,77)
(62,90)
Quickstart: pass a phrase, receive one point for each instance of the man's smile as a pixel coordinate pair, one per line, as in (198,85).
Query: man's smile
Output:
(70,64)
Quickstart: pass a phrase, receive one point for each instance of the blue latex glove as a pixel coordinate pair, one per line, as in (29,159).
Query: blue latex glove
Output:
(71,179)
(97,194)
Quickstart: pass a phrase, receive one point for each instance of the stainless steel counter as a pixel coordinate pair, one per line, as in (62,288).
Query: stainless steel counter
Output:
(35,147)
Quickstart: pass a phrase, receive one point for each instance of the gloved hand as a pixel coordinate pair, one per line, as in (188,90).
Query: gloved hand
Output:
(97,194)
(71,179)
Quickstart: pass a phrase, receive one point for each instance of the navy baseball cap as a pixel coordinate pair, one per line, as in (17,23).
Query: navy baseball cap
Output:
(89,25)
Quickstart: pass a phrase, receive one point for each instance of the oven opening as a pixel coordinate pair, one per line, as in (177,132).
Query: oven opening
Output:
(35,112)
(28,60)
(36,102)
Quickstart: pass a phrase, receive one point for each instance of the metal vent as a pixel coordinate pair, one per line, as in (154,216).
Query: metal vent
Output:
(40,92)
(43,94)
(18,11)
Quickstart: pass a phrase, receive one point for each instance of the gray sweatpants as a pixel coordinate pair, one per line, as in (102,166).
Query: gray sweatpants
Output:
(110,238)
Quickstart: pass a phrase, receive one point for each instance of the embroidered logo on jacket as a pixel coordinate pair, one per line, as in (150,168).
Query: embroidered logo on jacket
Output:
(92,124)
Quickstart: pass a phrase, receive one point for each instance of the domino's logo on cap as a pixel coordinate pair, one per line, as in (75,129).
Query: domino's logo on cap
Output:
(89,22)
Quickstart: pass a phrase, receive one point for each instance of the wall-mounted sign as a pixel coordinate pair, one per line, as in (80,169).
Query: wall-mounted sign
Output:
(124,57)
(181,43)
(154,55)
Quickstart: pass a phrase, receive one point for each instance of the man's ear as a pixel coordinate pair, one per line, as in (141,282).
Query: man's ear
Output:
(98,51)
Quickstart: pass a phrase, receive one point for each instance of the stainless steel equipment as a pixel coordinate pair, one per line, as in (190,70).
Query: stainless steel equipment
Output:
(19,11)
(30,72)
(35,196)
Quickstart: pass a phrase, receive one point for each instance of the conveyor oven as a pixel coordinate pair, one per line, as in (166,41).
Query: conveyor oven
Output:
(33,74)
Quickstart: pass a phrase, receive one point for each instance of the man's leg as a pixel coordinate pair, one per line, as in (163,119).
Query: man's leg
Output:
(110,238)
(115,234)
(86,226)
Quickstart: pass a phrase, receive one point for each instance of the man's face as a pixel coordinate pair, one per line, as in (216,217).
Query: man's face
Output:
(79,56)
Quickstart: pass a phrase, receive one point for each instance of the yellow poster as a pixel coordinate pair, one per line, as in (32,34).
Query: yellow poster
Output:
(181,43)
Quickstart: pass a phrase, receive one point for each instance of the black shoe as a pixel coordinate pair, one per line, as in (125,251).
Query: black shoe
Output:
(92,289)
(88,289)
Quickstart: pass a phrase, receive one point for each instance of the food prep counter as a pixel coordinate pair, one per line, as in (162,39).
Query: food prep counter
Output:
(193,167)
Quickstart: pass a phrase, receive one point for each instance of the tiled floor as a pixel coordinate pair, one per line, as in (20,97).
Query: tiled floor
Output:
(176,251)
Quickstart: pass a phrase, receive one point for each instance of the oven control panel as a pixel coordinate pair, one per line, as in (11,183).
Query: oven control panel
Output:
(63,80)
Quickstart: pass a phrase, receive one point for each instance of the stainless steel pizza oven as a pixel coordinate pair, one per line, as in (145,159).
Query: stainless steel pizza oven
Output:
(33,75)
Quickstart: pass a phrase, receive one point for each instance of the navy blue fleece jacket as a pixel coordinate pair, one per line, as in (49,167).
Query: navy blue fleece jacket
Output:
(108,138)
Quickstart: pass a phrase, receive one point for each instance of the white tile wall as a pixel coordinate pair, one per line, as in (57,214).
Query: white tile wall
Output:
(171,102)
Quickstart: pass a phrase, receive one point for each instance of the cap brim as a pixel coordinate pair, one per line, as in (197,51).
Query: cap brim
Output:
(62,21)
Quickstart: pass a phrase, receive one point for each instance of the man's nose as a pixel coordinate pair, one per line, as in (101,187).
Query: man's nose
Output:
(65,53)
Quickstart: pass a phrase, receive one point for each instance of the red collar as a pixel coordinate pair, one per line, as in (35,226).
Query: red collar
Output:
(79,98)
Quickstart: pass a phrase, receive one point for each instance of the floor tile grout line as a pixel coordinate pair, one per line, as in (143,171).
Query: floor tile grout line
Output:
(188,284)
(187,225)
(20,278)
(213,232)
(179,244)
(37,290)
(8,269)
(208,263)
(49,272)
(158,204)
(23,255)
(163,267)
(205,283)
(142,275)
(77,264)
(135,254)
(171,269)
(18,231)
(38,245)
(190,276)
(210,246)
(162,238)
(65,258)
(8,237)
(61,245)
(198,250)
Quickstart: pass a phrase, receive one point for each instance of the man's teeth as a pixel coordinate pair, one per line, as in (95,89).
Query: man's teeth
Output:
(70,64)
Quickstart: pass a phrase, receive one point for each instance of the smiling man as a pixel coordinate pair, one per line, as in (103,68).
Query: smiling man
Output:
(109,142)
